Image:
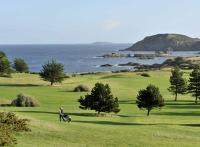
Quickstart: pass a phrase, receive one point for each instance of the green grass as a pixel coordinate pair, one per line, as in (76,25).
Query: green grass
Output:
(177,124)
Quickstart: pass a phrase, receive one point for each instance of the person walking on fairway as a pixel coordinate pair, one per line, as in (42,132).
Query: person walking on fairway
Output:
(61,114)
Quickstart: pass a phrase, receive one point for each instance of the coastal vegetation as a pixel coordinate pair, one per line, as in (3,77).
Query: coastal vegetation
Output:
(20,65)
(194,83)
(5,67)
(100,100)
(177,124)
(81,88)
(178,83)
(149,98)
(23,100)
(52,72)
(10,124)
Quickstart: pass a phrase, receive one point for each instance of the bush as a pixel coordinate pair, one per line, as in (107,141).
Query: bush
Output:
(145,74)
(6,136)
(81,88)
(10,123)
(24,101)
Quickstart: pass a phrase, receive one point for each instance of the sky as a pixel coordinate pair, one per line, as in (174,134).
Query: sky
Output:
(86,21)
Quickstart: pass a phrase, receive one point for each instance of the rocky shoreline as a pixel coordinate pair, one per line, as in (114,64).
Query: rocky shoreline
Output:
(182,62)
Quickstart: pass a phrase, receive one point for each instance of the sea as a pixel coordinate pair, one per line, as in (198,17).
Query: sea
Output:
(78,58)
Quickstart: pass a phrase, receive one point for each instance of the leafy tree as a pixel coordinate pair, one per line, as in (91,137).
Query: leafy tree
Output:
(194,83)
(178,83)
(149,98)
(53,72)
(5,69)
(20,65)
(100,100)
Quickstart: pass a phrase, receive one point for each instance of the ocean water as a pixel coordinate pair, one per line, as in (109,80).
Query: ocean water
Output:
(76,58)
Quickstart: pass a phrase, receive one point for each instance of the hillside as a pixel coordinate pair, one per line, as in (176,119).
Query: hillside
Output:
(162,42)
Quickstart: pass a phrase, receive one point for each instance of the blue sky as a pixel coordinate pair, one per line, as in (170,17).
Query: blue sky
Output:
(86,21)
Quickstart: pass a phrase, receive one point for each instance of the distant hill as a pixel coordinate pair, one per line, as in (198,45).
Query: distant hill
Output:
(162,42)
(102,43)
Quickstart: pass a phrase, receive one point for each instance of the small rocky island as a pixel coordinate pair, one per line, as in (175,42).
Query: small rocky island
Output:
(116,55)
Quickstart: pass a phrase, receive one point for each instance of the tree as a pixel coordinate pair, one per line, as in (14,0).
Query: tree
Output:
(149,98)
(178,83)
(20,65)
(5,69)
(100,100)
(52,72)
(194,83)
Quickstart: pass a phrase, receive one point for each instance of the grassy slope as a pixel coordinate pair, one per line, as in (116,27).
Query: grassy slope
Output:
(178,124)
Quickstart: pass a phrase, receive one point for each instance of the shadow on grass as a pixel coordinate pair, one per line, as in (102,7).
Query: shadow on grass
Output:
(112,76)
(127,102)
(195,106)
(5,105)
(48,112)
(180,102)
(133,124)
(112,122)
(179,113)
(191,125)
(19,85)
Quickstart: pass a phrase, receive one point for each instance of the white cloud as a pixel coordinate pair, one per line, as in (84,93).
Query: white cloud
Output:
(111,24)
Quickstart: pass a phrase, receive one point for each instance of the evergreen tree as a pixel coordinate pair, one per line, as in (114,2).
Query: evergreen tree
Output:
(20,65)
(194,83)
(178,83)
(149,98)
(5,69)
(100,100)
(53,72)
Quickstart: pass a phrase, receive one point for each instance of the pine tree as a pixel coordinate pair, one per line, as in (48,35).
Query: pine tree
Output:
(149,98)
(100,100)
(5,69)
(194,83)
(178,83)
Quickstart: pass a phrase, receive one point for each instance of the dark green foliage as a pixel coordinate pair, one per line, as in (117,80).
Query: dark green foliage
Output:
(20,65)
(9,124)
(145,75)
(53,72)
(81,88)
(24,101)
(5,69)
(194,83)
(100,100)
(149,98)
(178,83)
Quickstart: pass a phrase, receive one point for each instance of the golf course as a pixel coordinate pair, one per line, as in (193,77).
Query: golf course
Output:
(176,124)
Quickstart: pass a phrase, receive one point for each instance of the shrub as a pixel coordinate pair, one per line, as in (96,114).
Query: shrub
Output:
(81,88)
(145,74)
(6,136)
(24,101)
(10,123)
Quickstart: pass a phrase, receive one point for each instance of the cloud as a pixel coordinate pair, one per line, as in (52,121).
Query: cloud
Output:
(111,24)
